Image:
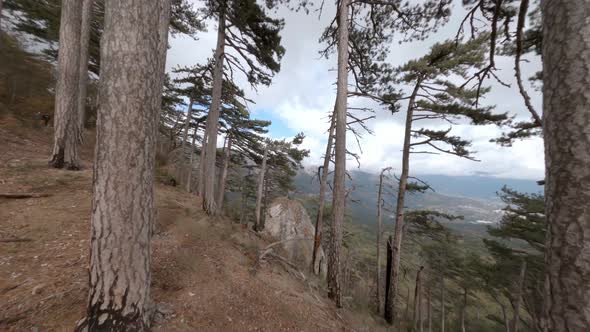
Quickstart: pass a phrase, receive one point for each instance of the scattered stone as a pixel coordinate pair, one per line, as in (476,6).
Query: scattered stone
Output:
(38,289)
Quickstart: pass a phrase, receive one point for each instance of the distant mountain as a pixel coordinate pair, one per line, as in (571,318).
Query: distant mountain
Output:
(474,186)
(473,197)
(477,186)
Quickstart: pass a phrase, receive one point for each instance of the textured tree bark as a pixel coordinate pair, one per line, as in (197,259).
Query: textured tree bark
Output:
(442,304)
(172,131)
(242,207)
(399,215)
(187,123)
(265,196)
(1,3)
(418,299)
(464,310)
(379,234)
(429,312)
(260,188)
(65,120)
(407,315)
(201,178)
(566,119)
(87,6)
(212,119)
(190,162)
(339,196)
(421,313)
(519,290)
(506,322)
(244,197)
(317,239)
(388,267)
(223,176)
(123,204)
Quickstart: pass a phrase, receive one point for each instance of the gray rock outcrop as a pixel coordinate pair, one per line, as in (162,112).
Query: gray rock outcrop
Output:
(288,220)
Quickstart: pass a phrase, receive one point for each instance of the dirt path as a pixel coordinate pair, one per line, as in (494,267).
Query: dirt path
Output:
(202,268)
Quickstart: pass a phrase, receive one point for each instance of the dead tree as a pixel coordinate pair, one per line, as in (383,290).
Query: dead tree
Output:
(317,239)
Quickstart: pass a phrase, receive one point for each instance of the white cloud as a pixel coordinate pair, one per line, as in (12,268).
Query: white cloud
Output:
(303,93)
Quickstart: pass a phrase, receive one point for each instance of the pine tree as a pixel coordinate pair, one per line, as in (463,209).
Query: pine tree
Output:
(67,133)
(246,29)
(519,239)
(119,294)
(170,115)
(495,21)
(360,34)
(196,81)
(566,116)
(243,135)
(379,239)
(323,177)
(87,8)
(435,97)
(339,197)
(284,161)
(41,20)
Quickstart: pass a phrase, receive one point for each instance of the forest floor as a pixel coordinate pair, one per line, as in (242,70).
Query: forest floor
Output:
(202,268)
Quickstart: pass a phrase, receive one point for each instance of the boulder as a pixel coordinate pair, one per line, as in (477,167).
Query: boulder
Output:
(287,220)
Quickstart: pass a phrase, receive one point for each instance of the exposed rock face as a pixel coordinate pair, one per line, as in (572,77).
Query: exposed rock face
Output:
(288,220)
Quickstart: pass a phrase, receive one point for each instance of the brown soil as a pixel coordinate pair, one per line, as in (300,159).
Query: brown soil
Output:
(203,277)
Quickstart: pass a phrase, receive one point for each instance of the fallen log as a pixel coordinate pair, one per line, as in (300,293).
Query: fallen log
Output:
(22,195)
(15,240)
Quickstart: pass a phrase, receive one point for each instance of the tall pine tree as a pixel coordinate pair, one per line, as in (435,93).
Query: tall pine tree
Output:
(245,28)
(435,97)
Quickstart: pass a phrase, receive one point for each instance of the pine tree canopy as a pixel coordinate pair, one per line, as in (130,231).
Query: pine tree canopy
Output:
(41,19)
(252,35)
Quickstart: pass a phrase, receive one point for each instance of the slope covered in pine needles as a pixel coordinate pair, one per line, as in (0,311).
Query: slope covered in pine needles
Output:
(203,275)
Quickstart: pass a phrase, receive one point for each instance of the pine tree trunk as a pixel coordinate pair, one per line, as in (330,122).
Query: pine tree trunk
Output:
(223,176)
(518,294)
(418,299)
(379,234)
(261,173)
(1,5)
(190,162)
(407,315)
(66,124)
(87,6)
(187,123)
(339,196)
(421,313)
(265,197)
(212,119)
(429,313)
(123,205)
(506,322)
(388,267)
(390,313)
(173,132)
(463,310)
(202,154)
(442,304)
(170,130)
(244,198)
(317,239)
(566,119)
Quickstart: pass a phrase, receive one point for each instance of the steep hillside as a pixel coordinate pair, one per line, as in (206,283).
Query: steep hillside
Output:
(203,277)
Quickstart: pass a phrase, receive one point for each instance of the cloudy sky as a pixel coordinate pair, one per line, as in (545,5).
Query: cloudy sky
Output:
(303,93)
